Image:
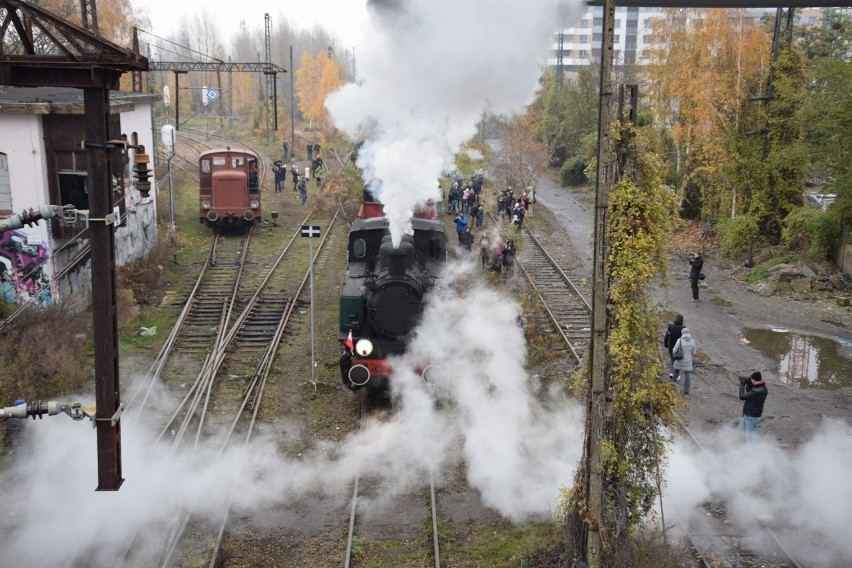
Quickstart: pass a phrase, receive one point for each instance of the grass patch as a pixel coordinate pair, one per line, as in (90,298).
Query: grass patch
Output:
(511,547)
(759,273)
(47,354)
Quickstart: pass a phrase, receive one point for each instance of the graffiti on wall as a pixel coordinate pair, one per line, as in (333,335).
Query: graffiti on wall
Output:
(22,263)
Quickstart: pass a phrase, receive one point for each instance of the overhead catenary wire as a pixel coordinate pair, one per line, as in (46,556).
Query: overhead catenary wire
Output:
(208,56)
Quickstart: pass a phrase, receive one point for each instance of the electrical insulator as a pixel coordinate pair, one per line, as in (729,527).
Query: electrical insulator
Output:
(141,173)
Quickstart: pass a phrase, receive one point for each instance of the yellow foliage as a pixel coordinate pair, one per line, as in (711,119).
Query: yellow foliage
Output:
(316,78)
(705,65)
(116,18)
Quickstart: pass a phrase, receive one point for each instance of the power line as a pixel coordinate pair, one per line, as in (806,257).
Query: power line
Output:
(180,46)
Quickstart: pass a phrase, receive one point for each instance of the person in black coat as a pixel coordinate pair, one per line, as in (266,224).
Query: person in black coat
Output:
(509,258)
(697,263)
(672,335)
(753,393)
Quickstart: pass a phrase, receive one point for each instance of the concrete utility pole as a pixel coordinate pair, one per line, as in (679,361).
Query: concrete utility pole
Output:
(597,381)
(292,107)
(271,118)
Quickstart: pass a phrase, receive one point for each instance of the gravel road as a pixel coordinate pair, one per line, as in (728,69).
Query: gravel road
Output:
(727,312)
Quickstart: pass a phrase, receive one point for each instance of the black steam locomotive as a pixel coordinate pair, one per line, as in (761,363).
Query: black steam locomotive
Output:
(384,290)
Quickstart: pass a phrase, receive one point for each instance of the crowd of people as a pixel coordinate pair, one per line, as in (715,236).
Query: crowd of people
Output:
(466,202)
(299,176)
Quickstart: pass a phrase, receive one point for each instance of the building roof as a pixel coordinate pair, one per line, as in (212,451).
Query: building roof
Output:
(63,100)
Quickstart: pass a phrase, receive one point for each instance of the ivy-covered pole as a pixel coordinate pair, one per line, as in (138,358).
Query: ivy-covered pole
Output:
(597,368)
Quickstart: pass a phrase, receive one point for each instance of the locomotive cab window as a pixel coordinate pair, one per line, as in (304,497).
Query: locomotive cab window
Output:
(359,248)
(205,166)
(436,248)
(238,162)
(219,161)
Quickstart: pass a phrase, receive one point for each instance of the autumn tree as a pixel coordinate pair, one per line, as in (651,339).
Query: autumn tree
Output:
(564,112)
(704,67)
(116,18)
(520,160)
(826,110)
(317,77)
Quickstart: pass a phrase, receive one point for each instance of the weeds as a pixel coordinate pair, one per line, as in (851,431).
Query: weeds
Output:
(759,273)
(47,354)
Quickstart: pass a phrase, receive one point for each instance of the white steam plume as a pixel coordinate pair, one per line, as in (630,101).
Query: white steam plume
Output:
(804,494)
(426,74)
(518,446)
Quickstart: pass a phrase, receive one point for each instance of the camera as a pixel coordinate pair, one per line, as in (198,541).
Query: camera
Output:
(746,381)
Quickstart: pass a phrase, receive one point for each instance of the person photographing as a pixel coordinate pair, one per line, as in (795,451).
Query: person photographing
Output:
(697,263)
(753,393)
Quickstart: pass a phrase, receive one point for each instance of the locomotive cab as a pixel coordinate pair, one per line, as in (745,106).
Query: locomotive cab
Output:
(229,188)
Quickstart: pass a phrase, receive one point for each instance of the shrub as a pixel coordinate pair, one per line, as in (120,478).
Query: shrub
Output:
(738,236)
(812,230)
(45,354)
(573,171)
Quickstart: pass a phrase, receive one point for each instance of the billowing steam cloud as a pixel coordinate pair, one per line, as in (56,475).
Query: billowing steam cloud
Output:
(518,445)
(803,494)
(428,72)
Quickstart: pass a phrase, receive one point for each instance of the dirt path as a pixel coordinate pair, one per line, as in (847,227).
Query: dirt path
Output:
(727,312)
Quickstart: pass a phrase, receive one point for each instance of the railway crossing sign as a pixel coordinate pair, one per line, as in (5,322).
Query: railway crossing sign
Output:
(310,231)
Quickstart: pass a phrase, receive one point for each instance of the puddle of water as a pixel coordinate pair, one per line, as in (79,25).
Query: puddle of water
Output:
(805,360)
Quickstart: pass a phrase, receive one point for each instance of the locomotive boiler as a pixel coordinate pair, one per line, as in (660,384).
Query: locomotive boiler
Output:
(384,291)
(229,189)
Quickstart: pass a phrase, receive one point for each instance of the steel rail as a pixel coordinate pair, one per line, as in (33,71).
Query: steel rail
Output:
(258,383)
(541,297)
(788,557)
(550,313)
(559,270)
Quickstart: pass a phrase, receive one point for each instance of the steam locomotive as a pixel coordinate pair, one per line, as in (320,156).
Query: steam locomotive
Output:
(384,290)
(229,188)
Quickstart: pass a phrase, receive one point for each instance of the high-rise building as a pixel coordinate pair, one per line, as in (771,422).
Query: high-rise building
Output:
(579,46)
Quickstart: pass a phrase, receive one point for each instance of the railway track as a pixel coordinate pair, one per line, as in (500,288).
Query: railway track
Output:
(561,284)
(231,325)
(717,543)
(394,536)
(561,291)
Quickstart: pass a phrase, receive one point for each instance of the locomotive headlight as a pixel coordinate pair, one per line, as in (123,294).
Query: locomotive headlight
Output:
(254,204)
(364,347)
(205,205)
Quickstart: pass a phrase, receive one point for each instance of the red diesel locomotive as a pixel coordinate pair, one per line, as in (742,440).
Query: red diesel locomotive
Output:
(229,188)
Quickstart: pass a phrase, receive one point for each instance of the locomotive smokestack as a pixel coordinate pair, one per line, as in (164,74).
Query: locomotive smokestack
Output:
(396,262)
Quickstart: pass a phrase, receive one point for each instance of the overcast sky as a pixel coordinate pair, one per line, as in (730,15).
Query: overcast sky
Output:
(340,17)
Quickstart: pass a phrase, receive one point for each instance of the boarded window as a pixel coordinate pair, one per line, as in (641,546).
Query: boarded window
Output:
(5,186)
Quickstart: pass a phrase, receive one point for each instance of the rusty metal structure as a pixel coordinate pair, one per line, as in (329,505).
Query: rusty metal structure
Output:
(37,48)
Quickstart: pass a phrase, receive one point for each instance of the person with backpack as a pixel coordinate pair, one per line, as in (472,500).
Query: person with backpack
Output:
(683,352)
(672,335)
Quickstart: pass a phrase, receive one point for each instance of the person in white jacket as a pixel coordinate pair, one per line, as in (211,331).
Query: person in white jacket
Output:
(685,347)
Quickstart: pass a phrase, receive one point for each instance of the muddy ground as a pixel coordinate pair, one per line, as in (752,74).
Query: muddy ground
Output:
(812,384)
